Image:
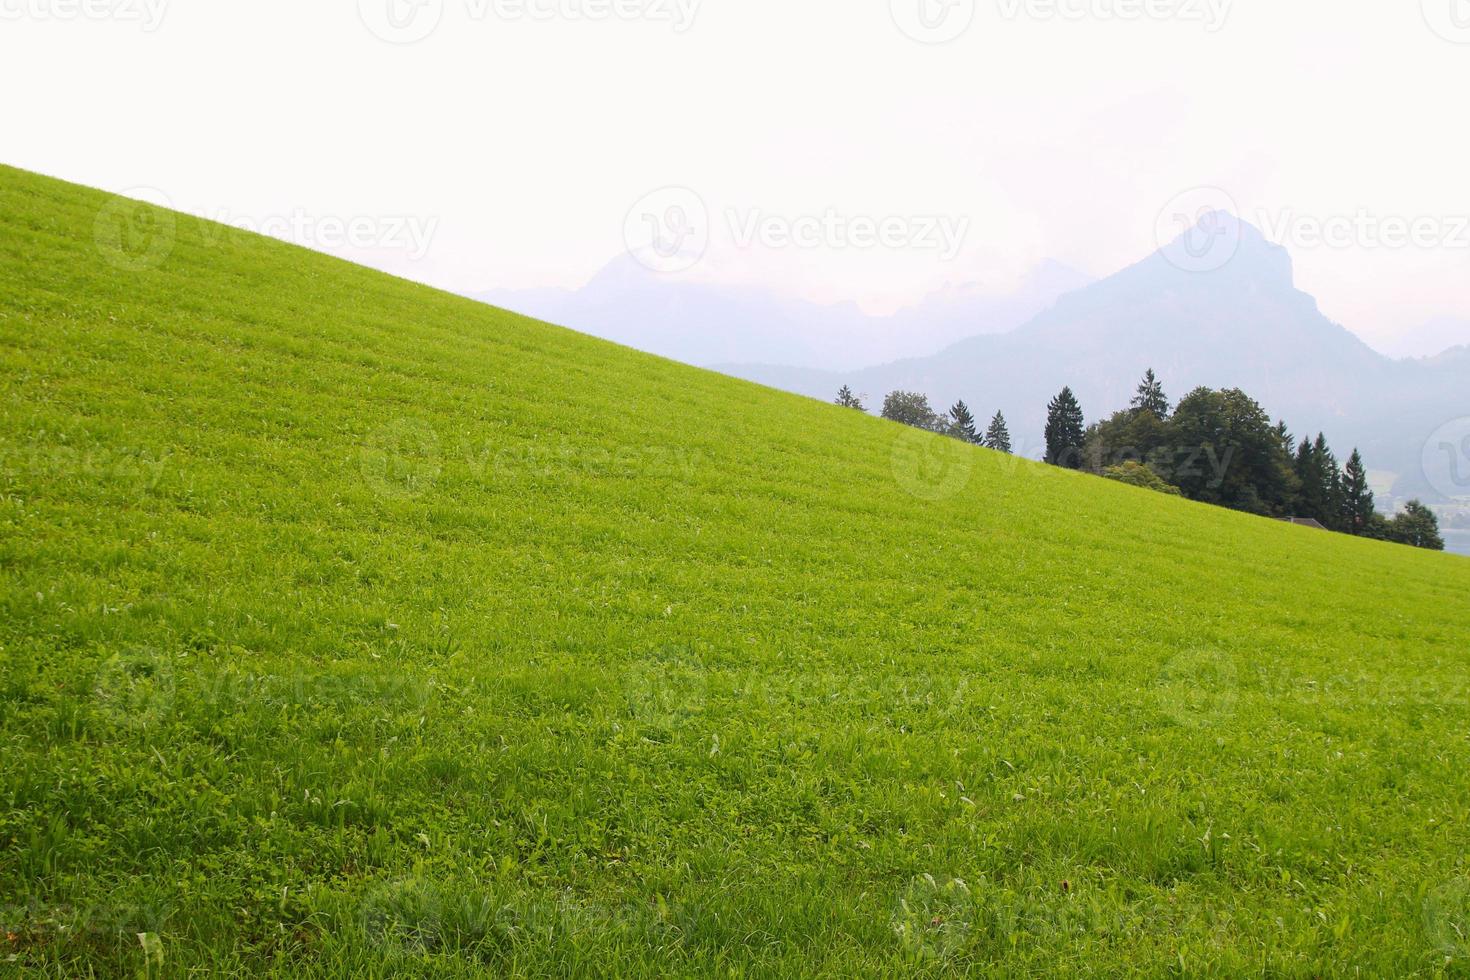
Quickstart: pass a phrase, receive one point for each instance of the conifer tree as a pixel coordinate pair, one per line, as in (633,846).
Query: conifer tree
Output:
(1309,502)
(1064,431)
(962,423)
(1331,484)
(847,399)
(998,436)
(1151,397)
(1357,499)
(1319,495)
(1283,436)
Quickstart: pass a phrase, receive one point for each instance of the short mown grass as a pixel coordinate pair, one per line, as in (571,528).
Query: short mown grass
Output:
(348,628)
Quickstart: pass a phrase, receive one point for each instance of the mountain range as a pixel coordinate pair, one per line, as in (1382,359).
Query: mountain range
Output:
(704,323)
(1243,323)
(1429,339)
(1231,316)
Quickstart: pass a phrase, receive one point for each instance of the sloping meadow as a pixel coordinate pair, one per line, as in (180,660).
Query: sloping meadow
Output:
(349,627)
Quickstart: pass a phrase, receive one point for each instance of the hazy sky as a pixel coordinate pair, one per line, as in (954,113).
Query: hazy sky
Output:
(824,147)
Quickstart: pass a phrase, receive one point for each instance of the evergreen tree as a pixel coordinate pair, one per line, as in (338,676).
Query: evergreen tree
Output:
(1283,436)
(1314,497)
(962,423)
(1417,526)
(847,399)
(1331,485)
(1151,397)
(998,436)
(1320,493)
(1064,431)
(1357,499)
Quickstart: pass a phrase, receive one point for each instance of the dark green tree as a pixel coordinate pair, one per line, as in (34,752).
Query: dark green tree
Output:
(1417,525)
(1331,484)
(912,408)
(998,436)
(847,399)
(1357,498)
(1150,397)
(1064,431)
(1132,436)
(1308,497)
(1379,528)
(1319,495)
(1224,449)
(1283,436)
(962,423)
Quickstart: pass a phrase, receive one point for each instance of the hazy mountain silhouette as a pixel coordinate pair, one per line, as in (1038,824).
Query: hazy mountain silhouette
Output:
(1217,307)
(703,323)
(1429,339)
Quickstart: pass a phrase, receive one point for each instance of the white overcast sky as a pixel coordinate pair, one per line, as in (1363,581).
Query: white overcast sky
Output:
(1058,129)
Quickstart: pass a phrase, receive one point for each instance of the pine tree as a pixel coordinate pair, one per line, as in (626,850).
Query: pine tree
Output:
(1311,498)
(1331,484)
(1064,431)
(847,399)
(998,436)
(1317,496)
(1357,499)
(962,423)
(1151,397)
(1283,436)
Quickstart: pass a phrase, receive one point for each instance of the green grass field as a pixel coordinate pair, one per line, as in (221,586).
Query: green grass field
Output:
(350,628)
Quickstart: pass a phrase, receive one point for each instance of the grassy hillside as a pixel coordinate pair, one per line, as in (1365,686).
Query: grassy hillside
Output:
(348,627)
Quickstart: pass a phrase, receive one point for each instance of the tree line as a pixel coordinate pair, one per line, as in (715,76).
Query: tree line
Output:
(1218,447)
(912,408)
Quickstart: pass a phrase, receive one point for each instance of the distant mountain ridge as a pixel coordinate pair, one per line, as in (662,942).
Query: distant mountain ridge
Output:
(705,323)
(1431,339)
(1229,320)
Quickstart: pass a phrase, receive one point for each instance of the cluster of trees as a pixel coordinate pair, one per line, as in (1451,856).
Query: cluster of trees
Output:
(1218,447)
(912,408)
